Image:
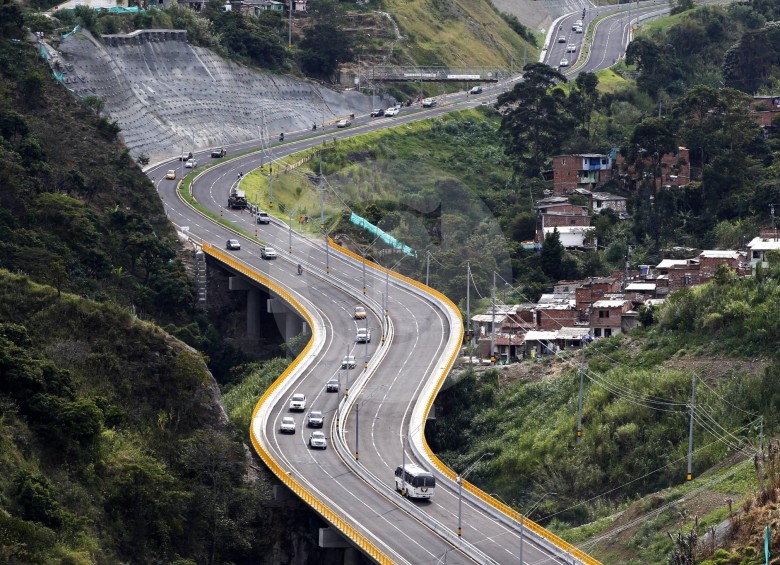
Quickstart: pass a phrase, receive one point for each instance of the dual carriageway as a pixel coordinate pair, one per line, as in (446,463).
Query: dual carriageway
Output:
(380,422)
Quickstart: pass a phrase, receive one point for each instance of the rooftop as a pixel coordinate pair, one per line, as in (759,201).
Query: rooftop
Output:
(633,287)
(721,254)
(759,244)
(608,303)
(671,263)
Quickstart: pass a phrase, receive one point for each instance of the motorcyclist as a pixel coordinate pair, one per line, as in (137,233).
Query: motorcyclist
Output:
(281,136)
(314,126)
(300,269)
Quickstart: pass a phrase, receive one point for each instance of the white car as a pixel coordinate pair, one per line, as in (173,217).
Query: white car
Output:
(429,103)
(191,164)
(288,425)
(363,335)
(263,218)
(562,39)
(571,48)
(390,112)
(298,402)
(267,252)
(317,441)
(343,124)
(233,245)
(564,63)
(475,90)
(578,29)
(348,362)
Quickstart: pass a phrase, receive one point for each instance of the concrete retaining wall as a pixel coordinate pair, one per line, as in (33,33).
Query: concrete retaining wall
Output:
(168,95)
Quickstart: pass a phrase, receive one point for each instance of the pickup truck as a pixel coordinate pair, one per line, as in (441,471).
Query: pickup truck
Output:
(218,152)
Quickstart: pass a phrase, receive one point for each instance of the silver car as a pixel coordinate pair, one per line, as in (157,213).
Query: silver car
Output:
(315,419)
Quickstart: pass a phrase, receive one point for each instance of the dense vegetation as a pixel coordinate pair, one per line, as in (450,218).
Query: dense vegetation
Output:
(113,443)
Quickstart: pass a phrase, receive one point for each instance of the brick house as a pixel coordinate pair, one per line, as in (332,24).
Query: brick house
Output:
(680,273)
(606,317)
(588,170)
(557,212)
(675,170)
(710,260)
(764,109)
(599,201)
(593,290)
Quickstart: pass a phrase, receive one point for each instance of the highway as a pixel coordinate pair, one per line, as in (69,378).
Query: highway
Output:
(422,332)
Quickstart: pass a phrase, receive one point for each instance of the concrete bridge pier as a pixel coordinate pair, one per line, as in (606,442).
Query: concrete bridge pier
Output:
(288,321)
(253,305)
(332,538)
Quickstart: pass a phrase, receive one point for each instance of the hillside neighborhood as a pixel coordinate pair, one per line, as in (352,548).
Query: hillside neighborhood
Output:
(583,310)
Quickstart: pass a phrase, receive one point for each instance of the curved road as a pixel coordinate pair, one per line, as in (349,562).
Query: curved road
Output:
(408,532)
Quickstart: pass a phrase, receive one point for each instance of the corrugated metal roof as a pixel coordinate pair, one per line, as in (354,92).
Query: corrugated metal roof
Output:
(758,244)
(608,303)
(540,335)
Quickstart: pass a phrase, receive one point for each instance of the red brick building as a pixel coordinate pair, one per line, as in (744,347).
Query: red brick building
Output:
(589,171)
(680,273)
(593,290)
(764,109)
(606,317)
(709,261)
(675,170)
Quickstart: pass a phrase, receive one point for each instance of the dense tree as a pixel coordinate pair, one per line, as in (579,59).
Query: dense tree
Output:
(535,120)
(551,256)
(748,64)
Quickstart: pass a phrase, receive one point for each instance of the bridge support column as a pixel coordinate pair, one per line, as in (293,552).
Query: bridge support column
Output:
(253,305)
(253,314)
(289,322)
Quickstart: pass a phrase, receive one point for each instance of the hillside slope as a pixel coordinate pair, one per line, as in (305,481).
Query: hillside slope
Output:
(168,95)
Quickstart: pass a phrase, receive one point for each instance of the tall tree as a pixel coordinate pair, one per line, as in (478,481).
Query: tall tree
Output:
(535,120)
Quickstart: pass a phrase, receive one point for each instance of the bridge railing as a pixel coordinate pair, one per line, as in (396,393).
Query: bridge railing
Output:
(550,537)
(434,74)
(360,540)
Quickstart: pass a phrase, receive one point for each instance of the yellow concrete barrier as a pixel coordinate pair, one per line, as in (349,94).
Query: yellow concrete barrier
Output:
(511,512)
(305,494)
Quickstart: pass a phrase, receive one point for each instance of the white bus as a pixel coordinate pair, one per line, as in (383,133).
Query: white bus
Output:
(418,482)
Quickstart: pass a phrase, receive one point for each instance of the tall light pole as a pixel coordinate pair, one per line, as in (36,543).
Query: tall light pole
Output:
(522,519)
(460,488)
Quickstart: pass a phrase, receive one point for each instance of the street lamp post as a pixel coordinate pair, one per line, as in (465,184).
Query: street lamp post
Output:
(522,521)
(460,489)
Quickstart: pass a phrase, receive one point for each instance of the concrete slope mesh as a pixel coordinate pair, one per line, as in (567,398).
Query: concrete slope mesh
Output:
(168,95)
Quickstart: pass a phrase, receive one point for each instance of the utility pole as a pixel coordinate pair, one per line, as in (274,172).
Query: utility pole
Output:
(321,187)
(271,186)
(468,309)
(357,427)
(427,267)
(579,403)
(289,33)
(493,324)
(690,428)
